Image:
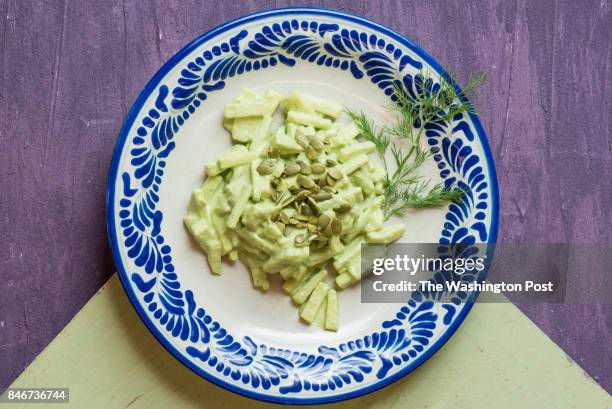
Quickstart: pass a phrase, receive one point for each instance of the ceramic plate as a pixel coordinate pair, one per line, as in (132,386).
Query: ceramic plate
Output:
(219,326)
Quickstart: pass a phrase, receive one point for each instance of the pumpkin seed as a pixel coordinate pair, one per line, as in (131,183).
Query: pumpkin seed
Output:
(322,196)
(336,227)
(331,162)
(334,173)
(312,153)
(287,201)
(306,170)
(273,153)
(328,231)
(284,218)
(342,208)
(323,221)
(264,168)
(302,195)
(306,210)
(292,169)
(313,206)
(305,181)
(293,220)
(329,189)
(299,238)
(317,144)
(322,182)
(274,215)
(318,168)
(315,189)
(330,181)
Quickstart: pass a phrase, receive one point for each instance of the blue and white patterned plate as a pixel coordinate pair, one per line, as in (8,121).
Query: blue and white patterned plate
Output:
(220,327)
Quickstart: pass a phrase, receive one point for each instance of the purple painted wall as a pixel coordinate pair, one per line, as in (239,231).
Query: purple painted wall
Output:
(71,70)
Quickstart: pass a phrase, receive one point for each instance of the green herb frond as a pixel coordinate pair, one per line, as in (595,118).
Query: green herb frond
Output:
(443,102)
(434,100)
(407,164)
(408,110)
(459,101)
(369,131)
(419,196)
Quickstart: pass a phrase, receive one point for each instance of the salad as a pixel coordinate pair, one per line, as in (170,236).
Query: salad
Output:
(296,200)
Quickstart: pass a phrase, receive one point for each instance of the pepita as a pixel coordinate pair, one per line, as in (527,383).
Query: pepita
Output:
(318,168)
(312,153)
(306,210)
(313,206)
(334,173)
(302,195)
(287,201)
(322,196)
(336,227)
(305,181)
(264,168)
(322,182)
(323,221)
(317,144)
(306,170)
(342,208)
(292,169)
(329,189)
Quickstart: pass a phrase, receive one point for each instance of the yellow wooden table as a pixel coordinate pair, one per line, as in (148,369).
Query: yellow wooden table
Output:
(496,359)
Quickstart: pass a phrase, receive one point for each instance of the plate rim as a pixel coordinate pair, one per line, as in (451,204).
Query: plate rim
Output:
(113,172)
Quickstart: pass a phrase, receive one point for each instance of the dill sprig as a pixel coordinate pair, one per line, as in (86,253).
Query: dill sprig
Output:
(370,131)
(418,196)
(429,101)
(406,165)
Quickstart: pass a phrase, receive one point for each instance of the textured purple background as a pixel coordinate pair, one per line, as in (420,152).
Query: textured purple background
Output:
(71,70)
